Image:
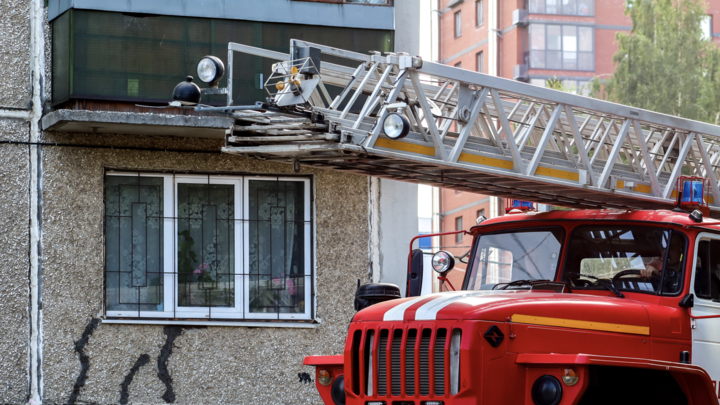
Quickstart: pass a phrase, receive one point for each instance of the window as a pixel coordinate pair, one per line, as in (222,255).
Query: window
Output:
(207,247)
(565,47)
(633,258)
(515,255)
(480,213)
(458,227)
(480,61)
(458,65)
(458,24)
(367,1)
(707,270)
(479,13)
(566,7)
(706,26)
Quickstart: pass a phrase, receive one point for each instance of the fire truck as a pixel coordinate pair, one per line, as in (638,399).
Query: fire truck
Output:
(615,302)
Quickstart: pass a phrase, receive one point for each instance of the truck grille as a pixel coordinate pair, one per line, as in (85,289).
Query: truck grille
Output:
(379,368)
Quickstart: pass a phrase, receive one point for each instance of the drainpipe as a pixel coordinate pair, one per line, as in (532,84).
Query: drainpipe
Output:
(37,54)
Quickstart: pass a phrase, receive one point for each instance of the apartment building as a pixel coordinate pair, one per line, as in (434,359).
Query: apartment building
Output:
(142,264)
(532,41)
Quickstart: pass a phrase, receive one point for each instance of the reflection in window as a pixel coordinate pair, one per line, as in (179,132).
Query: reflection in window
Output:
(518,255)
(565,47)
(277,247)
(566,7)
(479,13)
(238,248)
(458,24)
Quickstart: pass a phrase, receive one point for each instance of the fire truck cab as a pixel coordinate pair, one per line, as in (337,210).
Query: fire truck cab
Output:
(561,307)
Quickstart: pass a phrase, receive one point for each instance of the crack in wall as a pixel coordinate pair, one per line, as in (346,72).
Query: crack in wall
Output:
(141,361)
(84,359)
(172,333)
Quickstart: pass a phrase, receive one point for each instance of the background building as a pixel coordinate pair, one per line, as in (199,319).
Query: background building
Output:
(134,268)
(572,41)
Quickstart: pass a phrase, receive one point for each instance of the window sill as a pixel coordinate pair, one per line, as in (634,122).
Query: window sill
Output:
(247,324)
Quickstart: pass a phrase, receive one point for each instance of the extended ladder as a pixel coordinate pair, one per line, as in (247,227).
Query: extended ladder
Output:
(470,131)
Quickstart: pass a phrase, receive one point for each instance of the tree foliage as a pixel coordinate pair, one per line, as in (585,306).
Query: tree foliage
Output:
(664,64)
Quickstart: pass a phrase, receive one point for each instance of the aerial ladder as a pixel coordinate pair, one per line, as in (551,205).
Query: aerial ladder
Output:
(400,117)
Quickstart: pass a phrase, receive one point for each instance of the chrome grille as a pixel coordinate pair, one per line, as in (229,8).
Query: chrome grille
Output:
(425,362)
(382,363)
(417,356)
(410,362)
(440,362)
(395,362)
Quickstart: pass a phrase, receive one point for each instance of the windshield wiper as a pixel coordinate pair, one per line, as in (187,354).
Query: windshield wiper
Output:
(603,283)
(515,283)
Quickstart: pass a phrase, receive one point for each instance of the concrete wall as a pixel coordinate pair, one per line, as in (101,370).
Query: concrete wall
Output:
(205,364)
(14,214)
(407,26)
(15,59)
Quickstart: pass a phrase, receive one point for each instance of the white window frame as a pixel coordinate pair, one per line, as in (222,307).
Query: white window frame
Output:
(701,302)
(308,253)
(241,311)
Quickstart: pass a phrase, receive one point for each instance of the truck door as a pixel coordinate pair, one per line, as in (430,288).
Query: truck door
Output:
(706,287)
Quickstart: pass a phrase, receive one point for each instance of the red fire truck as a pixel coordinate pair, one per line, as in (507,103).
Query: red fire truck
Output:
(617,302)
(561,307)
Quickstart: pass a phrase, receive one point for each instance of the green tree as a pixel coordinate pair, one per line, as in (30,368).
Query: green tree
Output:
(664,64)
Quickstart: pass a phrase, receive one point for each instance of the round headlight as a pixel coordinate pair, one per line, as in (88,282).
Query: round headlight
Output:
(396,126)
(337,392)
(443,261)
(546,390)
(210,69)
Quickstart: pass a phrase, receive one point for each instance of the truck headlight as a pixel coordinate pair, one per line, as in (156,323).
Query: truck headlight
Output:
(210,69)
(546,390)
(443,261)
(396,126)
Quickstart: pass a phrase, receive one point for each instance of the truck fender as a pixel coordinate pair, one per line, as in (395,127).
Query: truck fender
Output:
(332,364)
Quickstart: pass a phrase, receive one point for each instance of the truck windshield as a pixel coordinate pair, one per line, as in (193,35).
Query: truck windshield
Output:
(515,255)
(633,258)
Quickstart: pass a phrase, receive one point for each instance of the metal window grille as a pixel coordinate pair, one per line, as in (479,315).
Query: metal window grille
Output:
(208,247)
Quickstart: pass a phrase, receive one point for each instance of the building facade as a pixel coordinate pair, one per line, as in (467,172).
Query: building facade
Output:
(142,265)
(533,41)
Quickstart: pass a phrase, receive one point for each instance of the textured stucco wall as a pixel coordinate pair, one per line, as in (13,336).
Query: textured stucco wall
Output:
(14,214)
(15,55)
(207,365)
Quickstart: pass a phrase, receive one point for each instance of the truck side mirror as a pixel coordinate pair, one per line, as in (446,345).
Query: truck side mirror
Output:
(415,274)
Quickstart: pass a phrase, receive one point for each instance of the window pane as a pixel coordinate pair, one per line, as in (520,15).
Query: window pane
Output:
(553,60)
(458,65)
(537,6)
(458,24)
(458,227)
(133,243)
(569,60)
(479,12)
(277,246)
(569,7)
(480,61)
(585,7)
(206,245)
(569,38)
(510,256)
(537,36)
(706,27)
(538,82)
(552,7)
(586,39)
(586,61)
(537,59)
(554,37)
